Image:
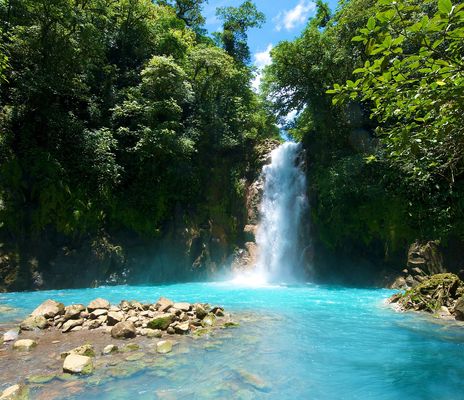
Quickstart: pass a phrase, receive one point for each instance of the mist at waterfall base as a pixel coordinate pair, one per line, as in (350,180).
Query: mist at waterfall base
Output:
(278,239)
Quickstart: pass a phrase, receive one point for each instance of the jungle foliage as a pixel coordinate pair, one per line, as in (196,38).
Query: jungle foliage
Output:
(113,113)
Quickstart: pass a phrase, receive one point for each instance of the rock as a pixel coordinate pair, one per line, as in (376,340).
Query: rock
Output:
(411,282)
(254,381)
(111,348)
(182,306)
(98,313)
(76,328)
(231,324)
(164,304)
(48,309)
(70,324)
(84,350)
(182,329)
(114,317)
(443,312)
(24,344)
(459,309)
(417,271)
(209,320)
(41,379)
(97,304)
(164,346)
(73,311)
(123,330)
(15,392)
(161,322)
(170,330)
(218,311)
(426,256)
(34,322)
(94,324)
(11,335)
(400,283)
(153,333)
(200,311)
(130,347)
(76,364)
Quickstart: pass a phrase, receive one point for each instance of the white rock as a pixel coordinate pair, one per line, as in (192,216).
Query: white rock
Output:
(76,364)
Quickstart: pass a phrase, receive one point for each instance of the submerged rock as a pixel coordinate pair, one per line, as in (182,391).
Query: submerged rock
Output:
(164,346)
(24,344)
(49,309)
(76,364)
(15,392)
(123,330)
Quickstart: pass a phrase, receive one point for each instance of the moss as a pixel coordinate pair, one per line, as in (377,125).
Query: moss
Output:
(160,323)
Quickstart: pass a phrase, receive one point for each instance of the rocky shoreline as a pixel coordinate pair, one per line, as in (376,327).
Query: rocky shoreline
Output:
(441,295)
(61,342)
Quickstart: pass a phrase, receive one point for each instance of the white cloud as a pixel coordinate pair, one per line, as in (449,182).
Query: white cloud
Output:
(262,59)
(298,15)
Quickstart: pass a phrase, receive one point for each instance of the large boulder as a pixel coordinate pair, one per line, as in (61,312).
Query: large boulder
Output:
(426,256)
(98,304)
(76,364)
(49,309)
(34,322)
(24,344)
(15,392)
(124,330)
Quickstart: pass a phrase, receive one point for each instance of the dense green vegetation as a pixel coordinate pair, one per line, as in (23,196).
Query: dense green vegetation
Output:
(379,87)
(116,117)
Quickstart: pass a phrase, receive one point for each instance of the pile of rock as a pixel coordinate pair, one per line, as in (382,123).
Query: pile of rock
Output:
(126,320)
(441,294)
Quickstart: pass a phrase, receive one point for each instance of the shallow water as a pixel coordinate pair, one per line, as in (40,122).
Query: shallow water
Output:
(300,342)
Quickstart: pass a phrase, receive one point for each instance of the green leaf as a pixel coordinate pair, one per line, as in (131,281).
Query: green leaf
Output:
(371,23)
(445,6)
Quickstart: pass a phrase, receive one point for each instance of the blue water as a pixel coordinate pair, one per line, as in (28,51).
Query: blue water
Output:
(301,342)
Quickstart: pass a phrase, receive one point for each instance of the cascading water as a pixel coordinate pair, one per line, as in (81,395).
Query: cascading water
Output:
(283,204)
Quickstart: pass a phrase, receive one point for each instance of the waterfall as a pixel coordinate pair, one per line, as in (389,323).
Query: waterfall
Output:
(283,204)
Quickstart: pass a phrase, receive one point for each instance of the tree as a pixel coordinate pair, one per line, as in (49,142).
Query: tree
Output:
(188,11)
(237,21)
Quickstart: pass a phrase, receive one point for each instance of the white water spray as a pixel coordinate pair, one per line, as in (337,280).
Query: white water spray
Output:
(284,201)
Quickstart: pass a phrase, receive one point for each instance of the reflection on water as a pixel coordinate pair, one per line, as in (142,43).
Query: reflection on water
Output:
(294,342)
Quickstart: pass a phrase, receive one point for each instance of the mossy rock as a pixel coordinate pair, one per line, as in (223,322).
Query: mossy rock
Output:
(437,291)
(231,324)
(130,347)
(160,322)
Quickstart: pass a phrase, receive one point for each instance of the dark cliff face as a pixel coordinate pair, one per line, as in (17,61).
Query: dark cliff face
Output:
(197,242)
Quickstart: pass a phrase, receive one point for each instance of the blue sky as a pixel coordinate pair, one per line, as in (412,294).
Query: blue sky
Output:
(284,21)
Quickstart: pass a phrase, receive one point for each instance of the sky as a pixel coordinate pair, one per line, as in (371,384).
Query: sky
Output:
(285,20)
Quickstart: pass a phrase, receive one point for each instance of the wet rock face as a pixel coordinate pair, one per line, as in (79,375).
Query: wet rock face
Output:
(441,294)
(426,256)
